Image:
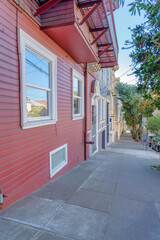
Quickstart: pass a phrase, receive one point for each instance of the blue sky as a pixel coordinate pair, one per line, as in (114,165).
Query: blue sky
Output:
(123,20)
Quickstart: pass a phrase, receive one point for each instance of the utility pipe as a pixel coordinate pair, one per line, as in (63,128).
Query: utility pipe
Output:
(85,109)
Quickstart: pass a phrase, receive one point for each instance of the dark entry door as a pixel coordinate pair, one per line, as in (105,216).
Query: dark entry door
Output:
(104,139)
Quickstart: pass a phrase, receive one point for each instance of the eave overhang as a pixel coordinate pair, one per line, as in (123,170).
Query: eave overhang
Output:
(85,29)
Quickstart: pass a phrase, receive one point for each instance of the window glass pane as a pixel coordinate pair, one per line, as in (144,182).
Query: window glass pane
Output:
(104,109)
(94,120)
(100,109)
(37,69)
(57,158)
(37,103)
(77,105)
(76,87)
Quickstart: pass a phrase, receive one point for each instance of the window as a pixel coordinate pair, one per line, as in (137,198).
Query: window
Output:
(104,109)
(77,95)
(58,159)
(100,109)
(108,76)
(38,83)
(103,74)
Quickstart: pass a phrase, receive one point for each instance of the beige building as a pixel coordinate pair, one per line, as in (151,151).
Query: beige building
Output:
(117,123)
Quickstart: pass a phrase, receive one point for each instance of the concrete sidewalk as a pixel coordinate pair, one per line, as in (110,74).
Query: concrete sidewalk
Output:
(113,196)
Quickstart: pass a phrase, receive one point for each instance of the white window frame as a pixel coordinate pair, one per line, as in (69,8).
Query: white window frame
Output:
(26,41)
(61,165)
(80,77)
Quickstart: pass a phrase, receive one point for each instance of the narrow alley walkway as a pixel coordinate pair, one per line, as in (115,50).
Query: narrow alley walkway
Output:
(113,196)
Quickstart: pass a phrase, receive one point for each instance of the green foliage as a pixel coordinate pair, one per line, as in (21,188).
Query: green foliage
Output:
(35,112)
(130,99)
(153,124)
(145,45)
(134,106)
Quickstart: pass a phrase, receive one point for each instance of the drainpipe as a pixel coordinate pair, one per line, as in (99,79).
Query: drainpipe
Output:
(85,109)
(2,195)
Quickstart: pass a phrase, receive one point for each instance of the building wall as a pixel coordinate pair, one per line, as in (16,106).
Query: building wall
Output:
(24,154)
(59,14)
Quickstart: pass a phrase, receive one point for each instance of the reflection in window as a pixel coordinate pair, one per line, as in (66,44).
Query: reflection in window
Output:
(37,81)
(77,95)
(37,103)
(77,106)
(37,69)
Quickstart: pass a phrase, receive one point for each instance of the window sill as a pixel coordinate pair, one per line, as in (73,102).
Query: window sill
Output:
(38,124)
(58,168)
(77,118)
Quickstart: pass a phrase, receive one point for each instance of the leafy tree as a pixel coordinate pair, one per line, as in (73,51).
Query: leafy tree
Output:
(36,111)
(130,100)
(134,106)
(147,106)
(145,45)
(153,124)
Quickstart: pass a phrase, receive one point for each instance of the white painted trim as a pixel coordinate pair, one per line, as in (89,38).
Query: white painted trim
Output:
(80,77)
(61,165)
(26,41)
(102,129)
(77,118)
(94,152)
(38,124)
(38,87)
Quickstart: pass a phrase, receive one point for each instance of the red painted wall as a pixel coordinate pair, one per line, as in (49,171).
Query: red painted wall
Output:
(24,154)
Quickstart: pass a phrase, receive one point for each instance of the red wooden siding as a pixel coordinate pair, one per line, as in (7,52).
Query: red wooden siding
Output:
(62,13)
(29,6)
(24,154)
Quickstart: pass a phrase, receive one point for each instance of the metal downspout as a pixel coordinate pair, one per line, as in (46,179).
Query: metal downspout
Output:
(85,109)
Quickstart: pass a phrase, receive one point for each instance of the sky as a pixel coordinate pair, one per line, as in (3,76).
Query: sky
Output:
(123,20)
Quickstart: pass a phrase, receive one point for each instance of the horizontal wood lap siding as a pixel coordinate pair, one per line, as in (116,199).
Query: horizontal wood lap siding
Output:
(62,13)
(24,154)
(30,7)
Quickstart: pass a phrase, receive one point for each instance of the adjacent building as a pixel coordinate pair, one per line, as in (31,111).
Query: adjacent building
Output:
(54,88)
(117,122)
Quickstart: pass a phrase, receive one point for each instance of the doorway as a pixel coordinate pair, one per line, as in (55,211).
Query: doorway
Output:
(103,139)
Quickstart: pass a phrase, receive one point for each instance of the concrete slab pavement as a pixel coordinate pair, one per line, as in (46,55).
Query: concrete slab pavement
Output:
(113,196)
